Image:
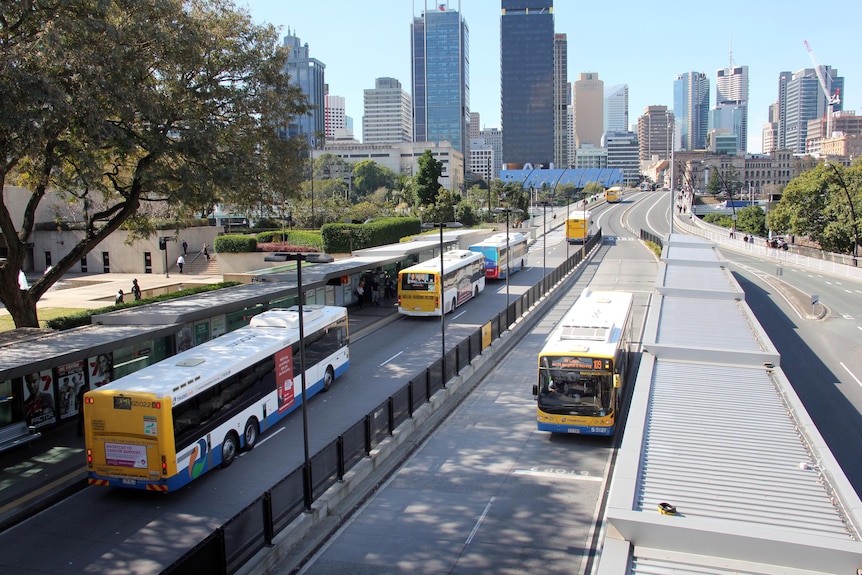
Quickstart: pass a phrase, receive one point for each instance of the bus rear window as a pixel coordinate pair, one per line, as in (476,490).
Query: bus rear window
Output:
(417,281)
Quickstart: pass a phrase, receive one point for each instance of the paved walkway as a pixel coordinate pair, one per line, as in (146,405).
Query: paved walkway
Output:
(92,291)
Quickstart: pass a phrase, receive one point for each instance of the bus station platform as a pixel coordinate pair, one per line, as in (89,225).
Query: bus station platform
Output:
(33,476)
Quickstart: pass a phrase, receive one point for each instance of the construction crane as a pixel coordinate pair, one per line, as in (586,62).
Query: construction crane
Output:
(832,99)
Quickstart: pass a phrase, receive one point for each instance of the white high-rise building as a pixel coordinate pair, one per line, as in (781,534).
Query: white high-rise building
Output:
(616,110)
(494,138)
(388,116)
(335,115)
(731,103)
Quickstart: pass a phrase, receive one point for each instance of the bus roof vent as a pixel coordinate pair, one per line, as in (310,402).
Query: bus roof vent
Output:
(287,318)
(589,332)
(191,362)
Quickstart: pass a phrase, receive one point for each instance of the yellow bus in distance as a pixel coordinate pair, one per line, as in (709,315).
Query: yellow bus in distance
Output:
(419,285)
(578,227)
(614,195)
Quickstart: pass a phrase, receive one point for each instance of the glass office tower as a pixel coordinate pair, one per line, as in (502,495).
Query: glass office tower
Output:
(441,92)
(527,81)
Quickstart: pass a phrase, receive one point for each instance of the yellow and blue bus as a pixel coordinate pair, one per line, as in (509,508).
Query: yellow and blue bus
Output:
(419,292)
(614,195)
(165,425)
(583,365)
(499,258)
(578,227)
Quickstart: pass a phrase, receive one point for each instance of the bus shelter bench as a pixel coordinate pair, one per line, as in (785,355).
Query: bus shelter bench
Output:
(17,434)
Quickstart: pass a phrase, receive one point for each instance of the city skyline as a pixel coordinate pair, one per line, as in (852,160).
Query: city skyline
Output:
(644,46)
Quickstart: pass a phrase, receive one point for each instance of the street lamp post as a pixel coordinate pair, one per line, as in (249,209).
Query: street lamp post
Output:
(306,469)
(442,225)
(508,211)
(852,210)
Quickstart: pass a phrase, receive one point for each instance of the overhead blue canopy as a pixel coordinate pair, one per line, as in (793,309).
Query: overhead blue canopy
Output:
(577,177)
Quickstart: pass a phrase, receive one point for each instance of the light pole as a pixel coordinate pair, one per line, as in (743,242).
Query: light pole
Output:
(672,126)
(442,225)
(852,210)
(507,211)
(306,469)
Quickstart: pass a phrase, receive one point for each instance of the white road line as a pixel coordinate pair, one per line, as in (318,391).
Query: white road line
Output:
(454,317)
(856,379)
(391,358)
(561,474)
(269,436)
(479,522)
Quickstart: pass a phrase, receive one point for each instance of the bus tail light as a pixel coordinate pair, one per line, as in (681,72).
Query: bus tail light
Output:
(164,465)
(90,458)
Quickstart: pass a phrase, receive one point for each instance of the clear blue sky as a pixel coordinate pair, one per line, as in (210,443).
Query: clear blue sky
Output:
(642,44)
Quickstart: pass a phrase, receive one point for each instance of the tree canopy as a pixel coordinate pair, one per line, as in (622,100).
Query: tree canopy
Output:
(427,181)
(817,204)
(123,103)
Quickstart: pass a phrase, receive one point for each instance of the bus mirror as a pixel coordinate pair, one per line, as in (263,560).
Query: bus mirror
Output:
(617,382)
(535,390)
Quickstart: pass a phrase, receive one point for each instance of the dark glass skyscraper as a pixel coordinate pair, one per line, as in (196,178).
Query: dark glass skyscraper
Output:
(441,92)
(527,81)
(308,72)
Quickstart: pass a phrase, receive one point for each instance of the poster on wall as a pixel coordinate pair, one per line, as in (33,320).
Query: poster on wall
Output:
(101,369)
(184,338)
(284,378)
(39,399)
(70,378)
(218,326)
(202,332)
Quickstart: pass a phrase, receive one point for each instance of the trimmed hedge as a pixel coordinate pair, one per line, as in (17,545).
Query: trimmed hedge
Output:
(235,244)
(307,238)
(337,237)
(85,316)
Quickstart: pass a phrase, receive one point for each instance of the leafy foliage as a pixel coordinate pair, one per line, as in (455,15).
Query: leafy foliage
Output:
(235,244)
(427,181)
(120,104)
(817,204)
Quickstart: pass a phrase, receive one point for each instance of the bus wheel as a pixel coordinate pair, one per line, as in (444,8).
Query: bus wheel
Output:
(328,378)
(476,291)
(249,434)
(453,306)
(229,449)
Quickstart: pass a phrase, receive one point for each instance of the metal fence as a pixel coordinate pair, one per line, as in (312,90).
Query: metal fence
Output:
(230,546)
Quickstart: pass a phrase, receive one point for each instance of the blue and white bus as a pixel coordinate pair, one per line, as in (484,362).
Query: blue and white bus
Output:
(165,425)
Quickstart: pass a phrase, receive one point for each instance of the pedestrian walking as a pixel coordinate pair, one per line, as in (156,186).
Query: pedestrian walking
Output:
(119,298)
(136,289)
(360,293)
(185,248)
(375,290)
(206,252)
(180,261)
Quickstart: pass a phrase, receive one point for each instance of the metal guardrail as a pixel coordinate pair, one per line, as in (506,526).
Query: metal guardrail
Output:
(231,545)
(837,264)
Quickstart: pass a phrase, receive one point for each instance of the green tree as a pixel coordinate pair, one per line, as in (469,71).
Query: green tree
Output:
(117,104)
(751,220)
(368,176)
(815,204)
(427,181)
(444,209)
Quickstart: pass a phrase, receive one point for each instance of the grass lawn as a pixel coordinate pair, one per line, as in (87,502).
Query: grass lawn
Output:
(6,323)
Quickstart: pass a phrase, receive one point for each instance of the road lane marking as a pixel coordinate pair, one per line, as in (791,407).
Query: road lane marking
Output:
(850,372)
(391,358)
(558,474)
(479,522)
